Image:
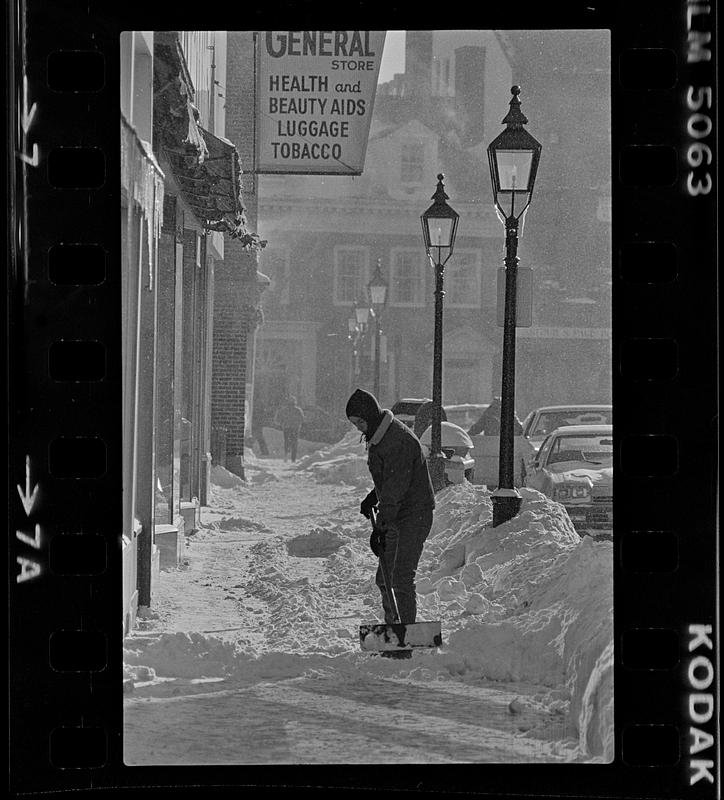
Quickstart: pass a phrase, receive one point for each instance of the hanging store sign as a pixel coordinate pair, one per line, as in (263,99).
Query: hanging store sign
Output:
(315,96)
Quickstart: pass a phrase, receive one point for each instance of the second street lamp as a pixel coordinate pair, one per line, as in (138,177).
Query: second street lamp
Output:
(513,157)
(377,288)
(357,324)
(439,227)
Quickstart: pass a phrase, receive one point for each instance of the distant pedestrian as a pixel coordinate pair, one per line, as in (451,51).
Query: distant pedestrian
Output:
(290,418)
(488,423)
(258,421)
(403,493)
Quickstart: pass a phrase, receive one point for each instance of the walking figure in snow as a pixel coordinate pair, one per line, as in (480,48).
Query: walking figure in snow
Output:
(290,418)
(488,423)
(402,494)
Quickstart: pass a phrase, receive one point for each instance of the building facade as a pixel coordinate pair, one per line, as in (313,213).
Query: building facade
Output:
(181,206)
(327,233)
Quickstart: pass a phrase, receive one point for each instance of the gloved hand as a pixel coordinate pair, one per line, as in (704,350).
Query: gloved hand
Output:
(367,505)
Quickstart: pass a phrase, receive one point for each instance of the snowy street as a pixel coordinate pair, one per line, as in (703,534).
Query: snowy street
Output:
(250,651)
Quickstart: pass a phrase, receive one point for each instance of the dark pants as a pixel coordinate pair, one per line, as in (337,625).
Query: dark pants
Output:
(291,437)
(403,548)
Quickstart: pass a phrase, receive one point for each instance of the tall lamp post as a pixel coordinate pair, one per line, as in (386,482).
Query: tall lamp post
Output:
(439,226)
(377,288)
(513,157)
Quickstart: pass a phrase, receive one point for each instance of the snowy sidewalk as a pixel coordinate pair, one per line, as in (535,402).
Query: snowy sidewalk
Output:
(250,653)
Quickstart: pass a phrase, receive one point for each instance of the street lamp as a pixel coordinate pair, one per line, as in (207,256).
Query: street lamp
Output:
(513,157)
(352,336)
(439,226)
(362,315)
(357,325)
(377,288)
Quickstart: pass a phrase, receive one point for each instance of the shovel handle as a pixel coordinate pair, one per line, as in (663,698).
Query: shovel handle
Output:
(389,591)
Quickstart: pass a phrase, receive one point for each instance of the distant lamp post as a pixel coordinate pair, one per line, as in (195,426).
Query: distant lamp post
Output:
(439,227)
(362,315)
(513,157)
(357,325)
(377,288)
(352,336)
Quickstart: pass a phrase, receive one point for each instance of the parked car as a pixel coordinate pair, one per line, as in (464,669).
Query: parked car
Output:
(456,445)
(541,421)
(415,412)
(406,409)
(574,466)
(465,414)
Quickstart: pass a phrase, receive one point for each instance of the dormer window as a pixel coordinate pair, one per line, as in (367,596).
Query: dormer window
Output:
(412,162)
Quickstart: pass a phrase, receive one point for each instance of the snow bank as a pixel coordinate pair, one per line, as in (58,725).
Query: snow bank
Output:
(194,655)
(528,601)
(349,469)
(317,543)
(221,477)
(349,444)
(343,462)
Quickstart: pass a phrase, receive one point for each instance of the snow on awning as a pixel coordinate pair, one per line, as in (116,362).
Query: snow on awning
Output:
(207,167)
(175,118)
(212,188)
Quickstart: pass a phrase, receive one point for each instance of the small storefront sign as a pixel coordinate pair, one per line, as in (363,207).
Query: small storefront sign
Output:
(315,96)
(567,333)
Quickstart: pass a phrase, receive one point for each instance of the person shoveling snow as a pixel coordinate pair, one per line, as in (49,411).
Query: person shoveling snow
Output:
(402,502)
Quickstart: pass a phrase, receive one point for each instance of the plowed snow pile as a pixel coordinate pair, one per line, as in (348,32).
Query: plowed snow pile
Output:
(528,601)
(343,462)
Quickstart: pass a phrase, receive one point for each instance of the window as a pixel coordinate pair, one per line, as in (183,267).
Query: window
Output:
(412,162)
(274,263)
(594,448)
(350,275)
(407,278)
(462,279)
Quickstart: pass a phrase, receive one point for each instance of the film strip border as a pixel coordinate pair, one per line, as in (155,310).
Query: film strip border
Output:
(66,367)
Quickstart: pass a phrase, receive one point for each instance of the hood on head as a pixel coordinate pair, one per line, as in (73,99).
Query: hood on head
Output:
(364,405)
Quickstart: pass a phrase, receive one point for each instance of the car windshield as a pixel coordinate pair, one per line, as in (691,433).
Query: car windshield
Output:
(596,449)
(550,420)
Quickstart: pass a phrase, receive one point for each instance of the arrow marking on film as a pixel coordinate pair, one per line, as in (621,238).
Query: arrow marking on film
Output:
(28,497)
(32,160)
(27,119)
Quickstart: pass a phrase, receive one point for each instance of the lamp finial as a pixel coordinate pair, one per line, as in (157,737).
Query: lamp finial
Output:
(515,118)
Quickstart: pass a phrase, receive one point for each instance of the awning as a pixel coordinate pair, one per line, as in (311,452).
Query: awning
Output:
(212,186)
(207,167)
(175,123)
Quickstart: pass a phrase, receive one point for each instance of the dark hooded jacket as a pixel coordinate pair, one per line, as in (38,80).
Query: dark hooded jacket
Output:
(395,460)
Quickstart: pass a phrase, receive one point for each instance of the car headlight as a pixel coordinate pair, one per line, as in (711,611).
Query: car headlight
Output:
(571,491)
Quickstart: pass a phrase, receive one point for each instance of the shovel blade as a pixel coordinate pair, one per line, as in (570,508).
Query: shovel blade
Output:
(380,636)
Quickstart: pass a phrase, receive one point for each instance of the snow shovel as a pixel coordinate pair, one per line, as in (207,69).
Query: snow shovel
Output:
(396,638)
